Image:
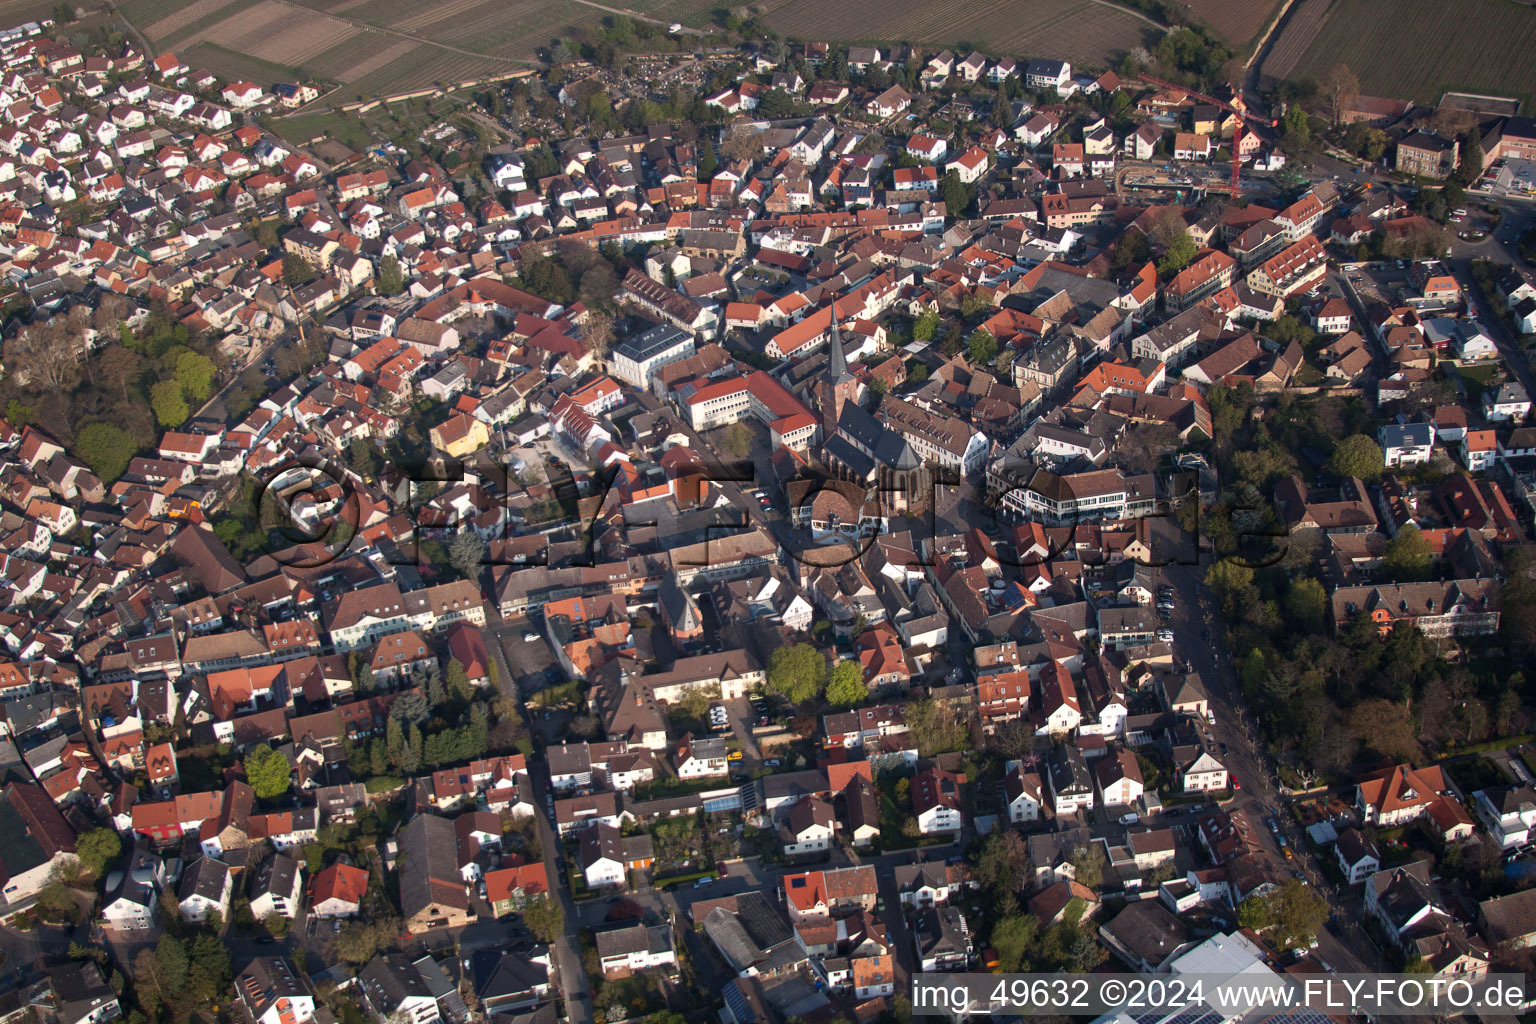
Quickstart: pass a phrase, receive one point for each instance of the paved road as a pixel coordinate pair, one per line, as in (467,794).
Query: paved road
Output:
(1253,769)
(567,951)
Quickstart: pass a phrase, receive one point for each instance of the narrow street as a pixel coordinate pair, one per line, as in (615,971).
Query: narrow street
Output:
(567,951)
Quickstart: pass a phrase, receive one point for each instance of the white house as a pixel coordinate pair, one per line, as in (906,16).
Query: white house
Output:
(1047,74)
(276,886)
(1479,449)
(132,898)
(1407,444)
(602,857)
(639,947)
(808,828)
(701,758)
(936,801)
(1506,402)
(206,885)
(1509,812)
(1023,790)
(1119,777)
(338,891)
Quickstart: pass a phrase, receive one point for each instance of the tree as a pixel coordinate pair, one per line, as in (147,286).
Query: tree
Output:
(1179,255)
(846,686)
(1358,456)
(358,942)
(1290,916)
(1386,727)
(545,918)
(268,772)
(1295,130)
(297,271)
(467,554)
(1306,602)
(1003,865)
(1013,937)
(983,348)
(1408,555)
(1337,86)
(106,448)
(798,673)
(1229,582)
(411,708)
(170,408)
(1470,167)
(926,325)
(391,278)
(456,681)
(98,848)
(955,193)
(1366,142)
(1088,865)
(194,372)
(935,730)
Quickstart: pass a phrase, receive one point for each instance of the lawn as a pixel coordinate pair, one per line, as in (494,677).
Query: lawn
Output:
(237,66)
(306,128)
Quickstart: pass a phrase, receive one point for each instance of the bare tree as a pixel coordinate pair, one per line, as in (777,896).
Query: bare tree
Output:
(1338,85)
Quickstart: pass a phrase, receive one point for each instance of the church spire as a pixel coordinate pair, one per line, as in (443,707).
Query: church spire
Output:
(837,362)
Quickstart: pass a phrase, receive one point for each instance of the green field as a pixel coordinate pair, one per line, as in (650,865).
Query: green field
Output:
(235,66)
(1418,49)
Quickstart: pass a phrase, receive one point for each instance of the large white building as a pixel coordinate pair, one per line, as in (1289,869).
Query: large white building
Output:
(635,359)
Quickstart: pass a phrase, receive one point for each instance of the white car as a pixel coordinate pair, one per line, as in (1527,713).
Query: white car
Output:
(1165,636)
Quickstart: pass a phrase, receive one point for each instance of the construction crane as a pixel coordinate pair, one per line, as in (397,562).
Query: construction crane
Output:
(1237,131)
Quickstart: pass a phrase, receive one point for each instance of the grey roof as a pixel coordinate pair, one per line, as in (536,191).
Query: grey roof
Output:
(204,877)
(389,980)
(429,865)
(651,342)
(633,939)
(277,874)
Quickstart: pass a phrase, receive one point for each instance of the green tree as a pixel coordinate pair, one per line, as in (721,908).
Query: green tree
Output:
(391,278)
(1366,142)
(1230,582)
(935,730)
(268,772)
(1289,916)
(1295,130)
(545,918)
(1359,456)
(1013,938)
(106,448)
(926,325)
(467,554)
(97,849)
(846,686)
(170,408)
(983,348)
(1088,865)
(1306,602)
(955,193)
(798,673)
(456,681)
(1178,256)
(1408,555)
(194,372)
(411,708)
(297,271)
